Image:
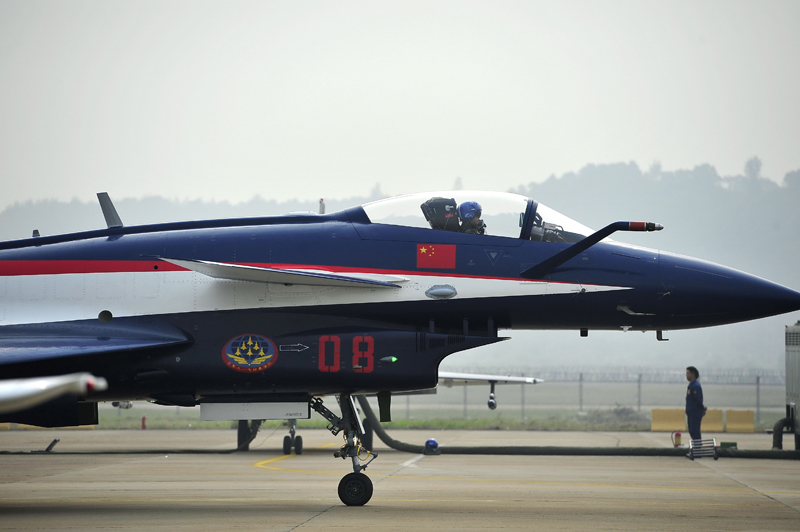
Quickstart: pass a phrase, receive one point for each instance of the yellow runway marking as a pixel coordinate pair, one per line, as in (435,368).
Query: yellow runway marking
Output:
(271,460)
(284,457)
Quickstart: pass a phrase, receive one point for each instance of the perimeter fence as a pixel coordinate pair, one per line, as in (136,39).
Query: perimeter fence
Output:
(631,391)
(622,374)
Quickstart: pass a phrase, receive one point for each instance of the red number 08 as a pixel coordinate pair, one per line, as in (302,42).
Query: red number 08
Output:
(358,354)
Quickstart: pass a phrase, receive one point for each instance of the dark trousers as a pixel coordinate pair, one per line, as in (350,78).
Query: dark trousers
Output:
(694,419)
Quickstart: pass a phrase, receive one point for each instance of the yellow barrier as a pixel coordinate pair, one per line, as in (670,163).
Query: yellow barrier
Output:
(672,419)
(712,421)
(668,420)
(739,421)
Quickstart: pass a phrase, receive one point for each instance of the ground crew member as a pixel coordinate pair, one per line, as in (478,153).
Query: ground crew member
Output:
(695,410)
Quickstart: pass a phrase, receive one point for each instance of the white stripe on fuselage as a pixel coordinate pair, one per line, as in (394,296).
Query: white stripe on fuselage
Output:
(64,297)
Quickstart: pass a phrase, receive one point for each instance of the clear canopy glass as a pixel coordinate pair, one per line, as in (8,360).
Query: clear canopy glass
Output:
(503,213)
(552,226)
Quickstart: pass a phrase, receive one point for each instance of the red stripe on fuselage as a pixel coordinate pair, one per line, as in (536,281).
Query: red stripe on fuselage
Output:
(10,268)
(56,267)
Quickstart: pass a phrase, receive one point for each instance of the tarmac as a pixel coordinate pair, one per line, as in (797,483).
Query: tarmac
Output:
(88,482)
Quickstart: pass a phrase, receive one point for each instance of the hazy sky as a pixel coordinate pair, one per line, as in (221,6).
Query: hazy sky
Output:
(225,100)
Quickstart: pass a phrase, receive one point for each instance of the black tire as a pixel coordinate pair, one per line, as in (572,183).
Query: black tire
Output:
(298,445)
(287,445)
(355,489)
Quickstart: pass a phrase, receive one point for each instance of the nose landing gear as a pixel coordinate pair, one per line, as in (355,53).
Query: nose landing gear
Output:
(355,489)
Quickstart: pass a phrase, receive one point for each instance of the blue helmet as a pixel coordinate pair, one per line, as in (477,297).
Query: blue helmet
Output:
(469,209)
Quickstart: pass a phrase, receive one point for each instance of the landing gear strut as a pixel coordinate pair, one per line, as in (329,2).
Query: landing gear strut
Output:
(291,440)
(355,489)
(246,433)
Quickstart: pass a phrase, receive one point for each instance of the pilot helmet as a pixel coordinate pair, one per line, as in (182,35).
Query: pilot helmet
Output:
(469,210)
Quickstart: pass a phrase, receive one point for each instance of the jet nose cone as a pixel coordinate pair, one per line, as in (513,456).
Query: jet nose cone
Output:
(768,298)
(718,294)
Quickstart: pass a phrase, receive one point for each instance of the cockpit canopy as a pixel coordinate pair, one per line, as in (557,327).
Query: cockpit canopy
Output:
(505,214)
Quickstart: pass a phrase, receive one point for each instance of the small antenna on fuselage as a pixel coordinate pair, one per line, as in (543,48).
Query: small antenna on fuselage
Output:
(322,206)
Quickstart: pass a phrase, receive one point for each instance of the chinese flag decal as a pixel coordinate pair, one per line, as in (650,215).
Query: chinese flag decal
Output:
(441,256)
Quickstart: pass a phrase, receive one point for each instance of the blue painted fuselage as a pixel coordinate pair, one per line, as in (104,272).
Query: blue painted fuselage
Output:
(169,331)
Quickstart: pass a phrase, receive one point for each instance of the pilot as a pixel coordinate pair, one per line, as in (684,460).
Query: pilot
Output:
(470,214)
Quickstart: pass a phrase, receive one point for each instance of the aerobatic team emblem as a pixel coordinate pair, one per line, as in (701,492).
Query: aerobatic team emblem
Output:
(249,353)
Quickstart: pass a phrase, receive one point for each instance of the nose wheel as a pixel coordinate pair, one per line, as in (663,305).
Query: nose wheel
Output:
(355,489)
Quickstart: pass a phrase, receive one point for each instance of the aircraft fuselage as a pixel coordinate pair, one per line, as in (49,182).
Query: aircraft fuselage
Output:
(154,328)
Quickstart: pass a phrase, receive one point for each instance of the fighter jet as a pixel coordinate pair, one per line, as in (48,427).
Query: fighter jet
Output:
(262,318)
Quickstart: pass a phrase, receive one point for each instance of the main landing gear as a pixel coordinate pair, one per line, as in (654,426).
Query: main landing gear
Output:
(291,440)
(246,433)
(355,489)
